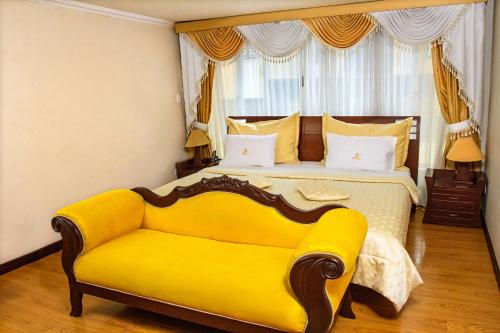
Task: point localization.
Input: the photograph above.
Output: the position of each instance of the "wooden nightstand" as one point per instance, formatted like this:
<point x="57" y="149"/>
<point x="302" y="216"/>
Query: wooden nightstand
<point x="452" y="203"/>
<point x="186" y="168"/>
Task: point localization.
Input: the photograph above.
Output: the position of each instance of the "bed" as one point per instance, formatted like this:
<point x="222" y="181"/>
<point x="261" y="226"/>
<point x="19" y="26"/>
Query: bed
<point x="385" y="198"/>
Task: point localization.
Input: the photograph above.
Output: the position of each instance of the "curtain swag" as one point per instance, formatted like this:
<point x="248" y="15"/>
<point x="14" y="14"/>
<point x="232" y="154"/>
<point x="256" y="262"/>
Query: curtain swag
<point x="218" y="44"/>
<point x="278" y="39"/>
<point x="419" y="26"/>
<point x="341" y="31"/>
<point x="458" y="28"/>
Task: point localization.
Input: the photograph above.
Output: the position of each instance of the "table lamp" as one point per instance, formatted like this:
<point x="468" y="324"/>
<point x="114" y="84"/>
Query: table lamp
<point x="197" y="139"/>
<point x="465" y="151"/>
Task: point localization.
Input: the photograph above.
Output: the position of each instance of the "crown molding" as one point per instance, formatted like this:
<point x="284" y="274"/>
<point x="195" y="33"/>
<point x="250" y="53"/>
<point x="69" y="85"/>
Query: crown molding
<point x="86" y="7"/>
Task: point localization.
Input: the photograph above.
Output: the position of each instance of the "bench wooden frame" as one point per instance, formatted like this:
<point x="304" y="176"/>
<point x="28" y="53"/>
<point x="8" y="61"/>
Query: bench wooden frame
<point x="307" y="277"/>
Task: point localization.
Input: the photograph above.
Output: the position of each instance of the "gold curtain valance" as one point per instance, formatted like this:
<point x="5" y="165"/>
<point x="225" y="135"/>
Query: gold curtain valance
<point x="219" y="44"/>
<point x="342" y="31"/>
<point x="366" y="6"/>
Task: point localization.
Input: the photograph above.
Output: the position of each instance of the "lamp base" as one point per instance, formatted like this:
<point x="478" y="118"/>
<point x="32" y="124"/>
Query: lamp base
<point x="464" y="175"/>
<point x="197" y="160"/>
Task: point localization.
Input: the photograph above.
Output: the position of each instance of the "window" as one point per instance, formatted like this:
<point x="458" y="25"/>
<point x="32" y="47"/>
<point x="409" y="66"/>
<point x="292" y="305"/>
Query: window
<point x="376" y="77"/>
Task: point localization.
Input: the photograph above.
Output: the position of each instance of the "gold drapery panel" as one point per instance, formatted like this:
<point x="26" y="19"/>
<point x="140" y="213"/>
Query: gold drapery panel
<point x="204" y="108"/>
<point x="340" y="31"/>
<point x="219" y="44"/>
<point x="453" y="108"/>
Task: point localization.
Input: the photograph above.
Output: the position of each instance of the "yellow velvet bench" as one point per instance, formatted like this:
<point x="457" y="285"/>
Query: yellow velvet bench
<point x="221" y="252"/>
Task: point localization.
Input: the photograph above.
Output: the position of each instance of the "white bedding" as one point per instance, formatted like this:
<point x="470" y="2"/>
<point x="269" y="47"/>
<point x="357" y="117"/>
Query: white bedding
<point x="385" y="198"/>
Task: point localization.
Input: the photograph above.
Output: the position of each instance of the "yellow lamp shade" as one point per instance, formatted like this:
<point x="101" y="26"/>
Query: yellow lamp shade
<point x="465" y="149"/>
<point x="197" y="138"/>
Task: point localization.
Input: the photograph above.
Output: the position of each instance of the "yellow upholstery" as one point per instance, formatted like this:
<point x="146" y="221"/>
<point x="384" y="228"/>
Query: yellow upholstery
<point x="288" y="135"/>
<point x="217" y="252"/>
<point x="245" y="282"/>
<point x="209" y="215"/>
<point x="400" y="130"/>
<point x="340" y="232"/>
<point x="106" y="216"/>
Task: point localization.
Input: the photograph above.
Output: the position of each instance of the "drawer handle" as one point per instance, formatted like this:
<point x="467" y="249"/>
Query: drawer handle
<point x="453" y="198"/>
<point x="452" y="214"/>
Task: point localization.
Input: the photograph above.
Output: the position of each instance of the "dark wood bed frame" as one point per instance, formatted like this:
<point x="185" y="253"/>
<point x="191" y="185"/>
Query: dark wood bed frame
<point x="307" y="277"/>
<point x="311" y="146"/>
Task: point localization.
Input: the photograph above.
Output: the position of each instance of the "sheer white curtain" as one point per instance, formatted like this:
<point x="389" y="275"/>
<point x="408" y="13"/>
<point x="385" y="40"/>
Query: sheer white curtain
<point x="376" y="77"/>
<point x="253" y="86"/>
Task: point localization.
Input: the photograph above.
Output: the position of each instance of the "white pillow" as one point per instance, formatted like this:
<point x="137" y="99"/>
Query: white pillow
<point x="249" y="150"/>
<point x="374" y="153"/>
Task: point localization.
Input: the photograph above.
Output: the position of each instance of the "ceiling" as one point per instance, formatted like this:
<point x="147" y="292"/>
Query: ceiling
<point x="189" y="10"/>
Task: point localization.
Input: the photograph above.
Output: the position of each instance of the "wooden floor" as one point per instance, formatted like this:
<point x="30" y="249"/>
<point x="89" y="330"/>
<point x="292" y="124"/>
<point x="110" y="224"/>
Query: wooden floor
<point x="459" y="295"/>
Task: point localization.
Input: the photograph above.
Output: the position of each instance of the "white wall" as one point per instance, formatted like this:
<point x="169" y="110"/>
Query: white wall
<point x="87" y="104"/>
<point x="492" y="167"/>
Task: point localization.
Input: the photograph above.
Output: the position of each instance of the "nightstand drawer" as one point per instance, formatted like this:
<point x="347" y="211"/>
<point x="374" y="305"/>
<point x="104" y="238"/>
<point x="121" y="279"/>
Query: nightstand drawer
<point x="453" y="217"/>
<point x="453" y="205"/>
<point x="455" y="198"/>
<point x="465" y="193"/>
<point x="452" y="214"/>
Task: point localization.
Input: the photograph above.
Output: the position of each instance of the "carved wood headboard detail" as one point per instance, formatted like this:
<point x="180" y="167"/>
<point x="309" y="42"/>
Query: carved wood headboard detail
<point x="311" y="141"/>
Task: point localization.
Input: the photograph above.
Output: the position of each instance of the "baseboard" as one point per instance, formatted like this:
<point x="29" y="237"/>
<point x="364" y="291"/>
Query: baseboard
<point x="493" y="257"/>
<point x="30" y="257"/>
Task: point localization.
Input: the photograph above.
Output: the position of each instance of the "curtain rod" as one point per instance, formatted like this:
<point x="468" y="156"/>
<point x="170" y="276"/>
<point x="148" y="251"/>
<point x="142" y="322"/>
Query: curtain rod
<point x="296" y="14"/>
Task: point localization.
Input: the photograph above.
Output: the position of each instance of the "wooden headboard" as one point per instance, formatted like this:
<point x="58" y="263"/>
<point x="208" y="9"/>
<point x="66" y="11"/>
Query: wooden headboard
<point x="311" y="141"/>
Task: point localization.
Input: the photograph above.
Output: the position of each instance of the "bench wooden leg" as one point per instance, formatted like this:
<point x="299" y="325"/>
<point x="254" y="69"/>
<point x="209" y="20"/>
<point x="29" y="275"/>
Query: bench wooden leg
<point x="346" y="307"/>
<point x="75" y="298"/>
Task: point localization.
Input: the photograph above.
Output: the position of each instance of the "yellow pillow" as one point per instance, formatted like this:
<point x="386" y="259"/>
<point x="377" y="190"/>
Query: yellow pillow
<point x="401" y="130"/>
<point x="288" y="135"/>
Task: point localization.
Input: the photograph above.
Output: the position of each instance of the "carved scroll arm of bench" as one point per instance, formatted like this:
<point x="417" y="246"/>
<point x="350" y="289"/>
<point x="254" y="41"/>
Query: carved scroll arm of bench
<point x="72" y="243"/>
<point x="308" y="278"/>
